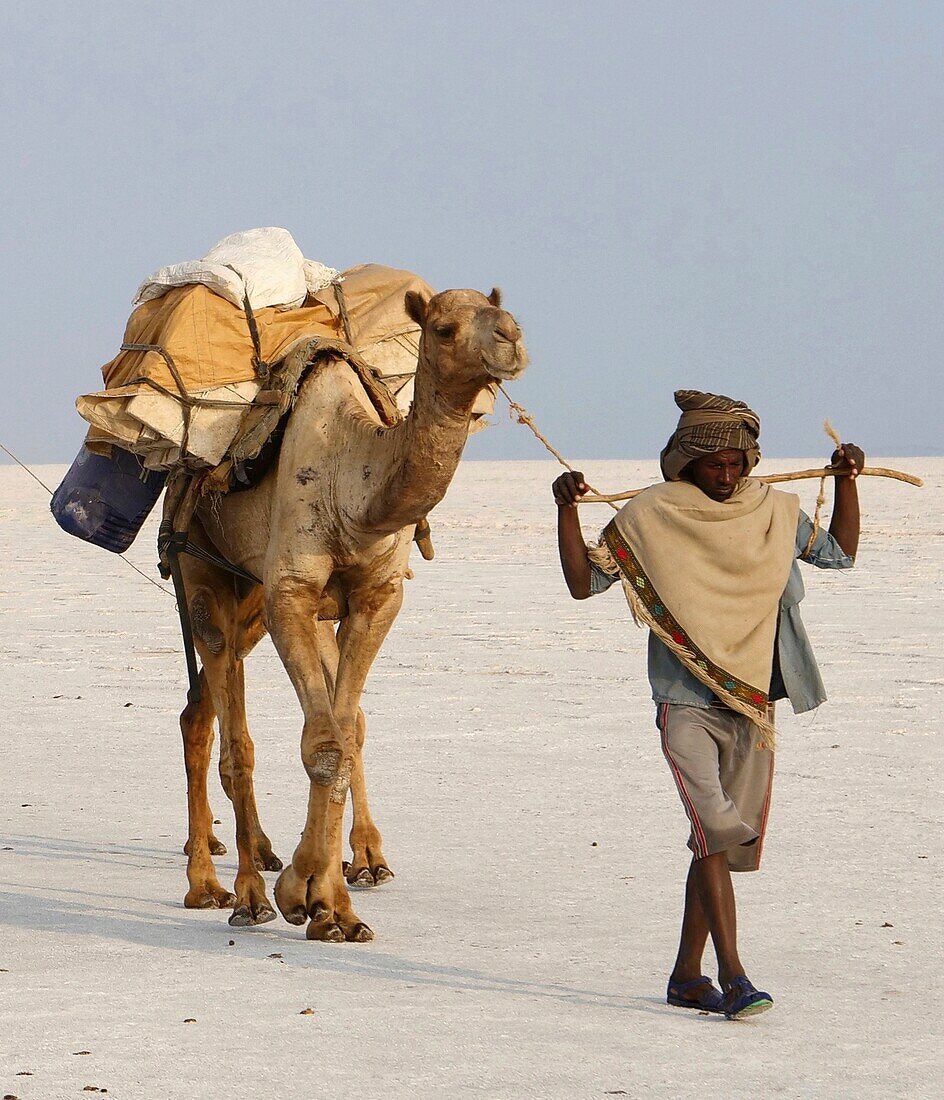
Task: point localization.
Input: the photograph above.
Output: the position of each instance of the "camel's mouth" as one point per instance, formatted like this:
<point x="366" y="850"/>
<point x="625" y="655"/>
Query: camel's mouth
<point x="507" y="361"/>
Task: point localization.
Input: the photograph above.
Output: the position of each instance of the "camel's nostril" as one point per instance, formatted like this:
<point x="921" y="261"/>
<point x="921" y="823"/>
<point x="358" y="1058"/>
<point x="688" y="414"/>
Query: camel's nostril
<point x="509" y="332"/>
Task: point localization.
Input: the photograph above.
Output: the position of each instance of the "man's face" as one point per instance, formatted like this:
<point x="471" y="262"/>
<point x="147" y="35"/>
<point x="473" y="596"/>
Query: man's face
<point x="717" y="474"/>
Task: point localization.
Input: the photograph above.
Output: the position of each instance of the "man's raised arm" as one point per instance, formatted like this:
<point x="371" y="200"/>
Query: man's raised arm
<point x="844" y="525"/>
<point x="568" y="489"/>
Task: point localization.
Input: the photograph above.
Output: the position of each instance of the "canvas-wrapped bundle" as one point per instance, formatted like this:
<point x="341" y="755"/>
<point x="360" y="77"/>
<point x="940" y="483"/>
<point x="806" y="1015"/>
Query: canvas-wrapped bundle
<point x="210" y="363"/>
<point x="189" y="363"/>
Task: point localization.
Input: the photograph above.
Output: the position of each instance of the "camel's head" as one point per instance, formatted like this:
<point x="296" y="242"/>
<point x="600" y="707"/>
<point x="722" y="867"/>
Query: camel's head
<point x="469" y="338"/>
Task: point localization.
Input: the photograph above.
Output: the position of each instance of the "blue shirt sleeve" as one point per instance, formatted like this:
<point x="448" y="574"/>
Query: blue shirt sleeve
<point x="825" y="553"/>
<point x="600" y="580"/>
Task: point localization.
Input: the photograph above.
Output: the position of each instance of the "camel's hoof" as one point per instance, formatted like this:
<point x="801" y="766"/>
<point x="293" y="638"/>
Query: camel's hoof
<point x="360" y="933"/>
<point x="363" y="878"/>
<point x="319" y="912"/>
<point x="243" y="916"/>
<point x="291" y="905"/>
<point x="209" y="899"/>
<point x="326" y="933"/>
<point x="217" y="847"/>
<point x="268" y="861"/>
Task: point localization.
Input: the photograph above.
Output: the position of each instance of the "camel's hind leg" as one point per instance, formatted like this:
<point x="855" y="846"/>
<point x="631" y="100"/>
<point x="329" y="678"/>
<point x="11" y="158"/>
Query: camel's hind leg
<point x="251" y="630"/>
<point x="368" y="867"/>
<point x="225" y="627"/>
<point x="196" y="725"/>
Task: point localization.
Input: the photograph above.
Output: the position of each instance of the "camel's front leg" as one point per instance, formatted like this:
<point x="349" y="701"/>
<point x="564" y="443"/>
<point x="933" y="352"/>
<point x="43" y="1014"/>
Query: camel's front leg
<point x="314" y="885"/>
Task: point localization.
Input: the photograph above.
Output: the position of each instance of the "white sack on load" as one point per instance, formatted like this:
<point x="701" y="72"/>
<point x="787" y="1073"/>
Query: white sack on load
<point x="264" y="263"/>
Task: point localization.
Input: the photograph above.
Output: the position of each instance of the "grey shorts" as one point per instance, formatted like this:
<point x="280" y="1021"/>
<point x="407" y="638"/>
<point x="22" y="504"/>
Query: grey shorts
<point x="724" y="776"/>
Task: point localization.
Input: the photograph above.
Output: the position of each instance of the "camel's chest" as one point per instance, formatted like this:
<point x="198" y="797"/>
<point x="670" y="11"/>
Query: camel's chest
<point x="359" y="571"/>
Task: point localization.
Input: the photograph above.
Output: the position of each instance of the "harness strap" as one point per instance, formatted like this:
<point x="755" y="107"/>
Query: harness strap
<point x="186" y="629"/>
<point x="170" y="545"/>
<point x="260" y="366"/>
<point x="345" y="319"/>
<point x="185" y="546"/>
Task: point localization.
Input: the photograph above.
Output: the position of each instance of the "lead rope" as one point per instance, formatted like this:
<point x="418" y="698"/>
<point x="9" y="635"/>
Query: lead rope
<point x="821" y="498"/>
<point x="520" y="414"/>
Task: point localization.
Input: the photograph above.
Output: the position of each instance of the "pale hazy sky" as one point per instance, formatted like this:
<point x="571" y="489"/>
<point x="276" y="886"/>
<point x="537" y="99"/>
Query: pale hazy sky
<point x="737" y="196"/>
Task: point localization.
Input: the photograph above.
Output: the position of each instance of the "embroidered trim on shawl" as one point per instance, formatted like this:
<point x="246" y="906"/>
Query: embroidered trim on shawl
<point x="727" y="687"/>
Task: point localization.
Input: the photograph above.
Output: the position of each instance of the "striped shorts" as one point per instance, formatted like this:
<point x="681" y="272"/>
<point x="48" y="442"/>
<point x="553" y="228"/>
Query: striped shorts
<point x="724" y="777"/>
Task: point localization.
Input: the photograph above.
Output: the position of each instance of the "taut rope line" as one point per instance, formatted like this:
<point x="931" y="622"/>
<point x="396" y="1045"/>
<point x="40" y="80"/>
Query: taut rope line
<point x="130" y="564"/>
<point x="27" y="469"/>
<point x="521" y="414"/>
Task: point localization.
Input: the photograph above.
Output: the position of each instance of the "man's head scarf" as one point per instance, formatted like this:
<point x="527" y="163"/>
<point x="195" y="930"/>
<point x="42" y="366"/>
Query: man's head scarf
<point x="710" y="422"/>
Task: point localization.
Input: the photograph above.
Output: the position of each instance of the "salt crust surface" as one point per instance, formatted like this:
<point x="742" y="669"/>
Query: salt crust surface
<point x="515" y="772"/>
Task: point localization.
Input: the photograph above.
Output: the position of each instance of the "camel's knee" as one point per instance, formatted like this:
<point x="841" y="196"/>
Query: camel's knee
<point x="237" y="764"/>
<point x="196" y="725"/>
<point x="193" y="723"/>
<point x="252" y="628"/>
<point x="322" y="762"/>
<point x="243" y="761"/>
<point x="226" y="772"/>
<point x="226" y="782"/>
<point x="328" y="765"/>
<point x="206" y="620"/>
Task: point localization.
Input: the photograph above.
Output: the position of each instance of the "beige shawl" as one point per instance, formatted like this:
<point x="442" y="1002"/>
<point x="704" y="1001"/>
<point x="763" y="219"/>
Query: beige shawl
<point x="706" y="577"/>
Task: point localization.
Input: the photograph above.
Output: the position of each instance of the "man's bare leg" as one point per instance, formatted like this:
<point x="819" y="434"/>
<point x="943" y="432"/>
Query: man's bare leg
<point x="694" y="936"/>
<point x="709" y="909"/>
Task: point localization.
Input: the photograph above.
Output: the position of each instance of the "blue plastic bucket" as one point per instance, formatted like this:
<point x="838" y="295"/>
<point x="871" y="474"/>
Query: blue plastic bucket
<point x="106" y="500"/>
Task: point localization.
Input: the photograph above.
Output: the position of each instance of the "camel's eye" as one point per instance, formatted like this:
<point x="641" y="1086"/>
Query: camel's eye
<point x="445" y="331"/>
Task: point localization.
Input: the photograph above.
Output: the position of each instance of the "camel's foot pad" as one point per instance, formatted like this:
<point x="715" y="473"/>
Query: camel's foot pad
<point x="247" y="916"/>
<point x="209" y="897"/>
<point x="366" y="877"/>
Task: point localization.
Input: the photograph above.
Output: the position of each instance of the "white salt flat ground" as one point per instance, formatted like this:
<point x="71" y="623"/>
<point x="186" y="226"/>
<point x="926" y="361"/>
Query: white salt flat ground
<point x="538" y="842"/>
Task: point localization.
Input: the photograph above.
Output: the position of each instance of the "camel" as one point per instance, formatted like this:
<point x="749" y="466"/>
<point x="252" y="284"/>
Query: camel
<point x="328" y="530"/>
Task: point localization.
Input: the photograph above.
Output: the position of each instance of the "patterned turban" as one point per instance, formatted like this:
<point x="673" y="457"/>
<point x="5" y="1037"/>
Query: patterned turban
<point x="709" y="423"/>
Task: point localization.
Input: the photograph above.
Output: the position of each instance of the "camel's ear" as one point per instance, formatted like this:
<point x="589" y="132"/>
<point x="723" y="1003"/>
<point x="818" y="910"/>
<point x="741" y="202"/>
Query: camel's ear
<point x="495" y="297"/>
<point x="416" y="307"/>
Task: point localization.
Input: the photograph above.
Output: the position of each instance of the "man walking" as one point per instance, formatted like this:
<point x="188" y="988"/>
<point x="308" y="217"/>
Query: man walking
<point x="708" y="561"/>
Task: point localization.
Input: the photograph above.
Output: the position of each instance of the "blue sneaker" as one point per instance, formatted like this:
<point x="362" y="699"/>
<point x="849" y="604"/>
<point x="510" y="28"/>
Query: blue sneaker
<point x="741" y="999"/>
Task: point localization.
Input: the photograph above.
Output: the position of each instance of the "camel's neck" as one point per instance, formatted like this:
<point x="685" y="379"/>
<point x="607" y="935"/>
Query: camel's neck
<point x="426" y="449"/>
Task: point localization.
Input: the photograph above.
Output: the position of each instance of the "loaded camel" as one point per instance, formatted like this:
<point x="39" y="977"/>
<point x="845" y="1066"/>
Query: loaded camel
<point x="328" y="530"/>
